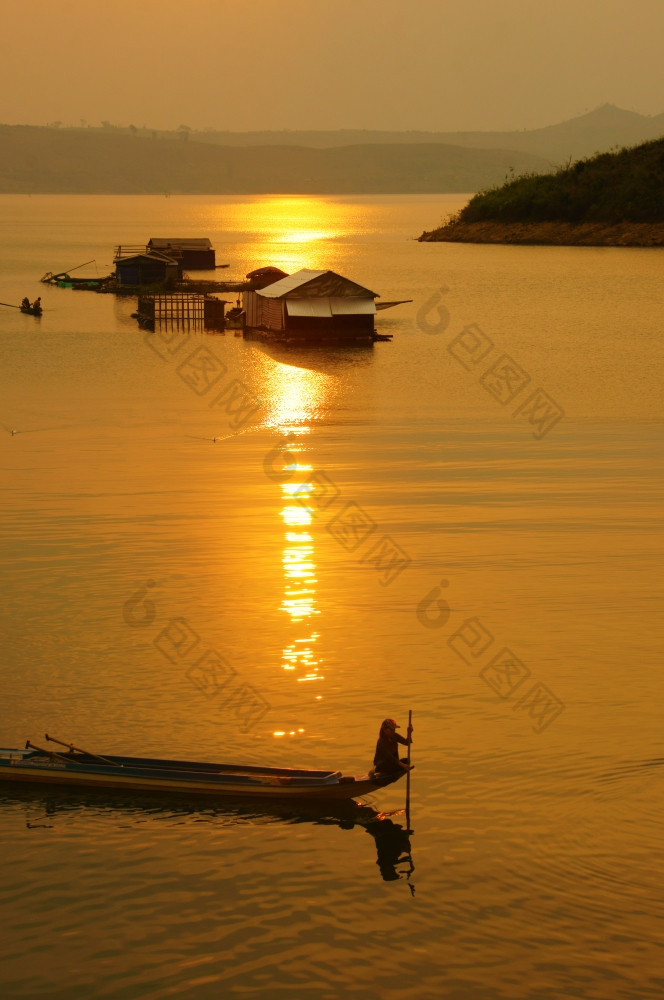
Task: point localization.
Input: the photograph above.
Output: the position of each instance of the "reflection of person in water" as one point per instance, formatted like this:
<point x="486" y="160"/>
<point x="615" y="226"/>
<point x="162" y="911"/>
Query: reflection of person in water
<point x="392" y="846"/>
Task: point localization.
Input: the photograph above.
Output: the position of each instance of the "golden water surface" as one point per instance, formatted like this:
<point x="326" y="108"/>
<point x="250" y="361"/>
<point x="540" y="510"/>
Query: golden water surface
<point x="217" y="550"/>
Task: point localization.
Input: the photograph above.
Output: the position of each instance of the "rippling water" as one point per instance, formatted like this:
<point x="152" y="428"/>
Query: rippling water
<point x="465" y="522"/>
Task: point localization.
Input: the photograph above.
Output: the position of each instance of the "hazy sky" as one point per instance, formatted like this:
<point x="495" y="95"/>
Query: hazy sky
<point x="272" y="64"/>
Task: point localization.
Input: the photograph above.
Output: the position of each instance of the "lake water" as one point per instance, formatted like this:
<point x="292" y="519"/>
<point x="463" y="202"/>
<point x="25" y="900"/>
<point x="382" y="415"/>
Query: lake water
<point x="218" y="551"/>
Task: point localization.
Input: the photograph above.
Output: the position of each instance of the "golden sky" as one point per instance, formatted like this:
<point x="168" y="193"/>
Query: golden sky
<point x="301" y="64"/>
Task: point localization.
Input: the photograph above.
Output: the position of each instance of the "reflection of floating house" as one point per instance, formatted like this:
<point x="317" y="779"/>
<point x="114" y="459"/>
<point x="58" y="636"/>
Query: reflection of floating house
<point x="312" y="305"/>
<point x="146" y="269"/>
<point x="191" y="254"/>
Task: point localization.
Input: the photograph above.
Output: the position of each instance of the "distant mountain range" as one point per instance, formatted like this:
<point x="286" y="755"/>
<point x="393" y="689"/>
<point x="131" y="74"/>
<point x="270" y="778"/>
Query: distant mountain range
<point x="112" y="160"/>
<point x="57" y="161"/>
<point x="595" y="132"/>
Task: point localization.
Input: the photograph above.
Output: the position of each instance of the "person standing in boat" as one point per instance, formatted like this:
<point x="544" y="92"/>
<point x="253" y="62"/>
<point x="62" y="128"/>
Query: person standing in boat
<point x="386" y="758"/>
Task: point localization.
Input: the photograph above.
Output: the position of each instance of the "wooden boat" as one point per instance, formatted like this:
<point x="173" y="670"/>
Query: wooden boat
<point x="31" y="310"/>
<point x="64" y="279"/>
<point x="80" y="769"/>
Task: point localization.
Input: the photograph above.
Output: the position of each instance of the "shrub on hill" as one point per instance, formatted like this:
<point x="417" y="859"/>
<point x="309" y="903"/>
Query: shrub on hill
<point x="627" y="186"/>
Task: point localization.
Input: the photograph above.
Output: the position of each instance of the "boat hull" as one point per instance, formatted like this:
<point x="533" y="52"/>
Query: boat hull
<point x="184" y="777"/>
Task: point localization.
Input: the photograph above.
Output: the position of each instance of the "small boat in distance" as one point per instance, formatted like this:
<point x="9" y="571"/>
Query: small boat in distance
<point x="31" y="308"/>
<point x="80" y="769"/>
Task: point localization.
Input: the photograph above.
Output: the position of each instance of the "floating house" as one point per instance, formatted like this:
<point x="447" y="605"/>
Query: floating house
<point x="311" y="305"/>
<point x="146" y="269"/>
<point x="191" y="254"/>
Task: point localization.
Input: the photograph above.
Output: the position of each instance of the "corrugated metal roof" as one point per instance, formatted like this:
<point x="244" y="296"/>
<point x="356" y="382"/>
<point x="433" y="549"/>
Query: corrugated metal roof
<point x="291" y="281"/>
<point x="178" y="243"/>
<point x="159" y="257"/>
<point x="325" y="307"/>
<point x="333" y="283"/>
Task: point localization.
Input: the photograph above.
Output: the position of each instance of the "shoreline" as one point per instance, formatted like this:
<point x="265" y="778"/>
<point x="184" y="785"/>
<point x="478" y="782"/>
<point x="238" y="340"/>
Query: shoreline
<point x="589" y="234"/>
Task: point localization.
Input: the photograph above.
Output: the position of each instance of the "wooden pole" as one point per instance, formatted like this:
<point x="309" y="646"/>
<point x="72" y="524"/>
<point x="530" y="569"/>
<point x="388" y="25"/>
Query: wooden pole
<point x="61" y="274"/>
<point x="78" y="266"/>
<point x="410" y="720"/>
<point x="72" y="749"/>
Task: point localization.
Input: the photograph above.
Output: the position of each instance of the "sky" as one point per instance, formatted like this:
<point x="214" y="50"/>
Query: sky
<point x="436" y="65"/>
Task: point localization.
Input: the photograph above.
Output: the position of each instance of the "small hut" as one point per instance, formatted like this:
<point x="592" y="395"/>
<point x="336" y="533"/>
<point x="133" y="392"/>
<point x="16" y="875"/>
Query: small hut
<point x="146" y="269"/>
<point x="191" y="254"/>
<point x="312" y="305"/>
<point x="263" y="276"/>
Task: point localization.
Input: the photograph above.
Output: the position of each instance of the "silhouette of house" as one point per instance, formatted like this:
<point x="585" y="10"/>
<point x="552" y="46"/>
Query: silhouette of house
<point x="191" y="254"/>
<point x="312" y="305"/>
<point x="146" y="269"/>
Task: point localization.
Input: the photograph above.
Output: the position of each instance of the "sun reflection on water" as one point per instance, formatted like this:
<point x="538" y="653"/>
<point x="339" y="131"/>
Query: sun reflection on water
<point x="296" y="401"/>
<point x="294" y="231"/>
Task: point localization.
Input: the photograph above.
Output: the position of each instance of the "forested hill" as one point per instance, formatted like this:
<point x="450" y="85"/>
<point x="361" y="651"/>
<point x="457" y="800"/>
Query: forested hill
<point x="37" y="160"/>
<point x="616" y="190"/>
<point x="606" y="127"/>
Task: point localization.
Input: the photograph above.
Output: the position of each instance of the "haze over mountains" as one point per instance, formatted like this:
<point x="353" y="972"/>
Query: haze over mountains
<point x="110" y="159"/>
<point x="594" y="132"/>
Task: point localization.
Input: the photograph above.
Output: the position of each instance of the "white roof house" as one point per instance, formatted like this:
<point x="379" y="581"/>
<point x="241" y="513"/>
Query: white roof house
<point x="307" y="283"/>
<point x="303" y="301"/>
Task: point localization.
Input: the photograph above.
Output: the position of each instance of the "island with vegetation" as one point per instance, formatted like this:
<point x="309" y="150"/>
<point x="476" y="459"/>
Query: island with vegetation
<point x="611" y="199"/>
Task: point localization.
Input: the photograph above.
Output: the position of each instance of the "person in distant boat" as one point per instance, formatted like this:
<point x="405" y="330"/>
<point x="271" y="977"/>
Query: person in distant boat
<point x="25" y="304"/>
<point x="36" y="305"/>
<point x="386" y="759"/>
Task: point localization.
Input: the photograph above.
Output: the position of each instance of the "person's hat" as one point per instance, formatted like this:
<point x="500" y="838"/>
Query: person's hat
<point x="389" y="724"/>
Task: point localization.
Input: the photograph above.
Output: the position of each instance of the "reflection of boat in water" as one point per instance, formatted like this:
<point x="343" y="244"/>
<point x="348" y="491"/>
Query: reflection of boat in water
<point x="52" y="800"/>
<point x="78" y="768"/>
<point x="44" y="805"/>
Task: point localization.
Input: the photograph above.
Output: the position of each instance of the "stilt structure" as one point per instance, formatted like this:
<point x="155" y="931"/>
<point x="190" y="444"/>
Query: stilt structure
<point x="182" y="310"/>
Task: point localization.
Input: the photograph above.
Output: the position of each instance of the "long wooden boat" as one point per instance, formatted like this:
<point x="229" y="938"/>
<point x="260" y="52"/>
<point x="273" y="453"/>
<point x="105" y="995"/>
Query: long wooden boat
<point x="78" y="769"/>
<point x="65" y="280"/>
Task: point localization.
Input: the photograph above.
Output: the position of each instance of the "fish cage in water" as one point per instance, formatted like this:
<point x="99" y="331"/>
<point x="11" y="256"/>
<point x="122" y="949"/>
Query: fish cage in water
<point x="181" y="310"/>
